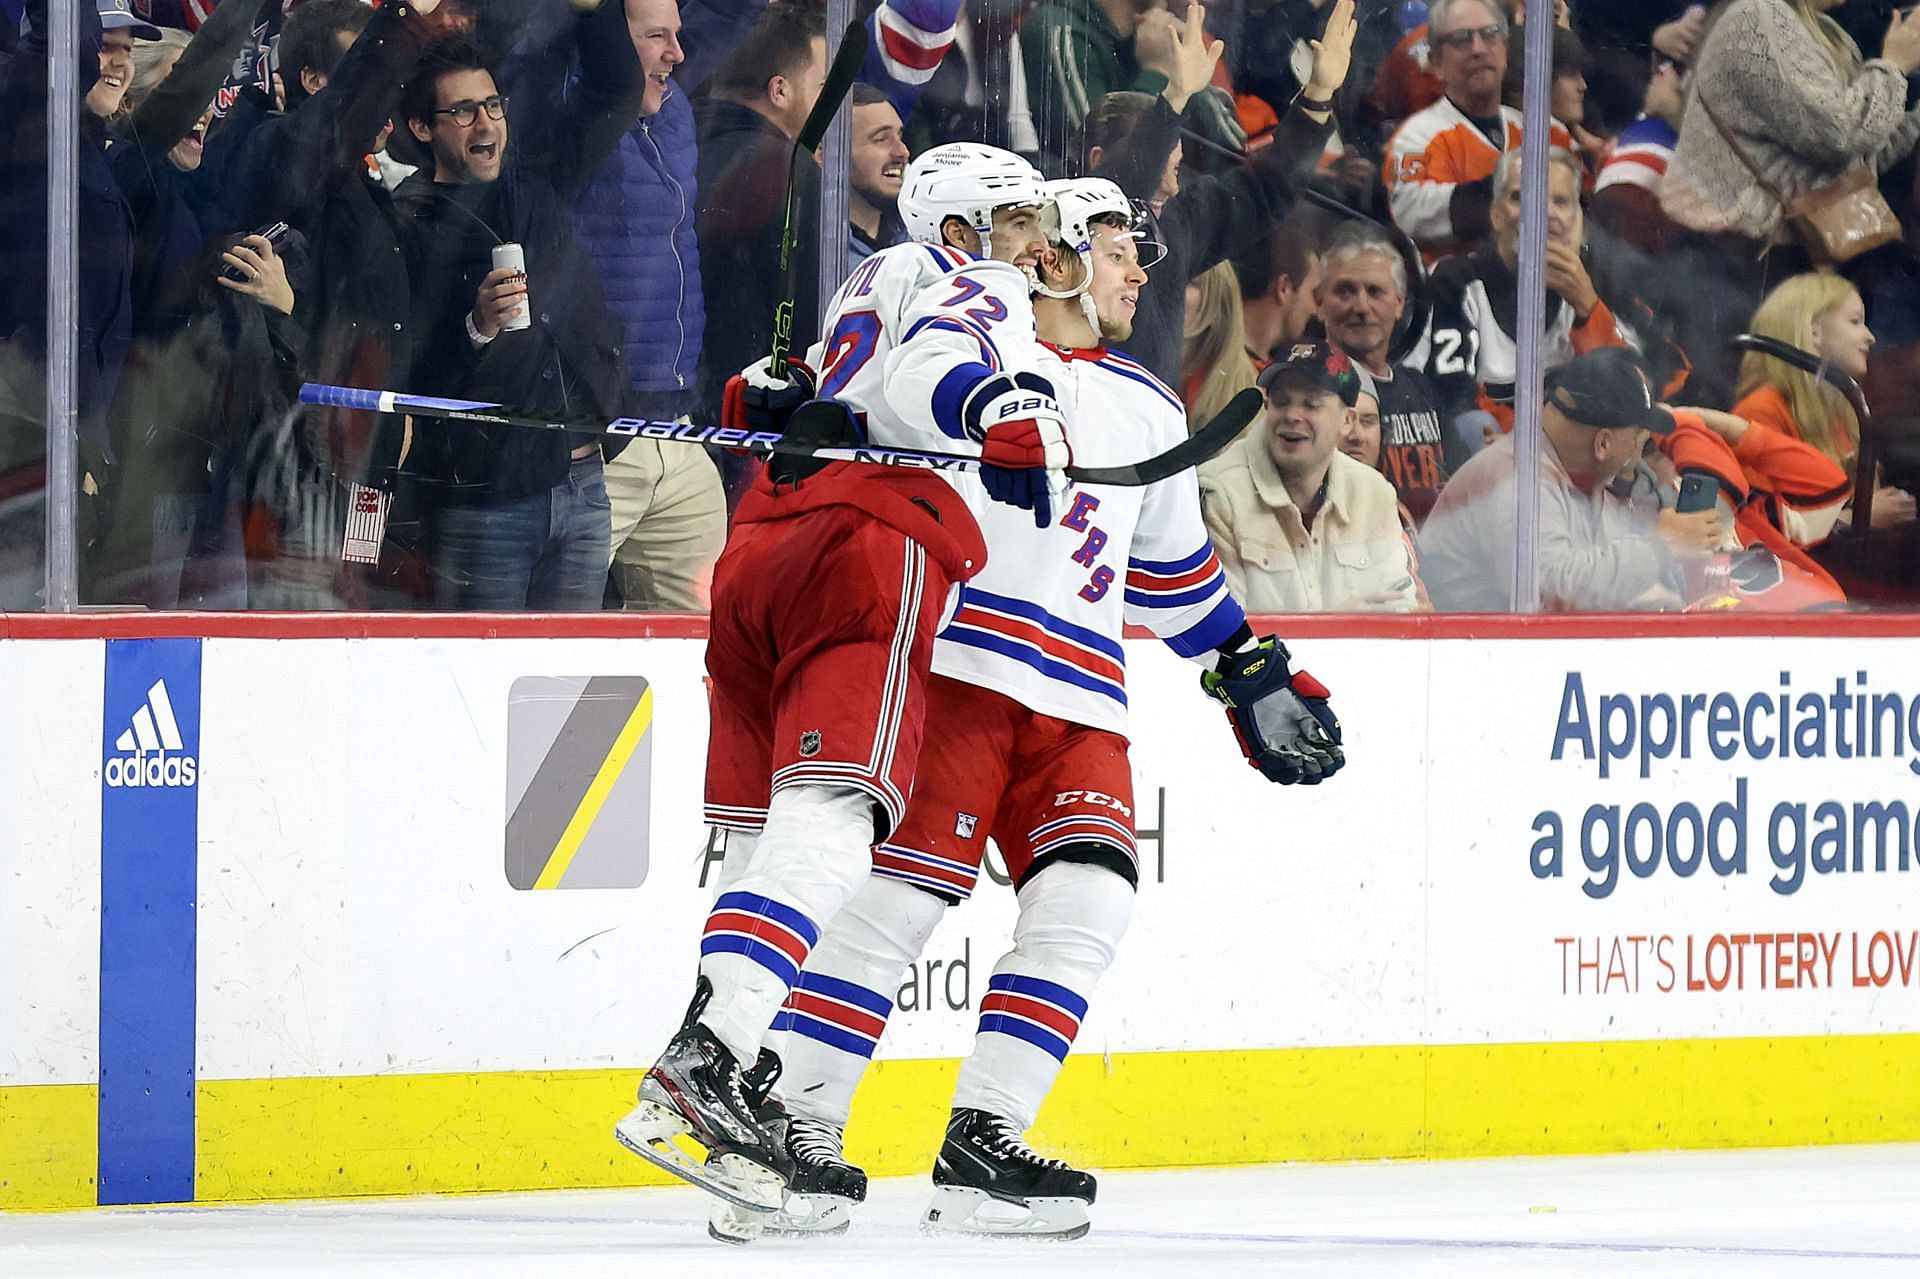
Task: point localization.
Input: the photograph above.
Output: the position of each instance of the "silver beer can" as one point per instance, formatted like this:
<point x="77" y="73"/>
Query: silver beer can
<point x="510" y="257"/>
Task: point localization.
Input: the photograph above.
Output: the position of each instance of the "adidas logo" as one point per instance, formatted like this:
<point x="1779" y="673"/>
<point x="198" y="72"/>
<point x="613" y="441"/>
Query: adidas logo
<point x="144" y="747"/>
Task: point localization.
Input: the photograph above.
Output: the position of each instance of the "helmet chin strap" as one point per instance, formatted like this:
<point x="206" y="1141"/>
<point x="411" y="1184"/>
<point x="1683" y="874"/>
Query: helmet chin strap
<point x="1080" y="290"/>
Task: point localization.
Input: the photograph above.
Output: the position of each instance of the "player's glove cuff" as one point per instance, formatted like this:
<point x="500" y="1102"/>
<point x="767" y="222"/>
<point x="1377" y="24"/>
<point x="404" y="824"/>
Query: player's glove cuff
<point x="1003" y="399"/>
<point x="1023" y="441"/>
<point x="1281" y="718"/>
<point x="755" y="400"/>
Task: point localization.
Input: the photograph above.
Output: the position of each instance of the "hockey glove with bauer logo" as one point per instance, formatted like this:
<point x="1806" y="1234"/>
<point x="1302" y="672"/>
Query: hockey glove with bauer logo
<point x="1285" y="727"/>
<point x="1023" y="441"/>
<point x="754" y="400"/>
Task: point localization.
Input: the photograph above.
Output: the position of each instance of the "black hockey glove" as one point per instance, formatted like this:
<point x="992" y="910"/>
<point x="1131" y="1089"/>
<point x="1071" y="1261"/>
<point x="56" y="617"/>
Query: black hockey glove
<point x="1285" y="727"/>
<point x="754" y="401"/>
<point x="822" y="424"/>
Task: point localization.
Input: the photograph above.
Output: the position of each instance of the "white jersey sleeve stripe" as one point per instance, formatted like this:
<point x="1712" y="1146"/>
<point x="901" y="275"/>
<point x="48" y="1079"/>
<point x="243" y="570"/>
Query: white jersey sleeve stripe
<point x="912" y="53"/>
<point x="1185" y="601"/>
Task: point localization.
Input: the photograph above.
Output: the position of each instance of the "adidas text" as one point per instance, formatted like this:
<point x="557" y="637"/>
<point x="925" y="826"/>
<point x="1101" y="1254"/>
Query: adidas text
<point x="151" y="770"/>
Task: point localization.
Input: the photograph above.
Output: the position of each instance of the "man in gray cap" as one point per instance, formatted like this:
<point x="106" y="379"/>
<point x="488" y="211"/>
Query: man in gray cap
<point x="120" y="26"/>
<point x="1605" y="541"/>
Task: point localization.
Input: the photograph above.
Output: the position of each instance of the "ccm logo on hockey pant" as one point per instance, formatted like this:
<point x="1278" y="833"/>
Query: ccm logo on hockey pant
<point x="1045" y="1014"/>
<point x="1093" y="797"/>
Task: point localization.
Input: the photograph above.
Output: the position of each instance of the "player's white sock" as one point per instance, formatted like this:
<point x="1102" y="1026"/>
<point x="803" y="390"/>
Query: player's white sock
<point x="811" y="856"/>
<point x="827" y="1030"/>
<point x="1072" y="917"/>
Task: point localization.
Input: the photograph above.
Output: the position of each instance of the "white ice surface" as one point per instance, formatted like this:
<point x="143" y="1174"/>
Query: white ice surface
<point x="1835" y="1211"/>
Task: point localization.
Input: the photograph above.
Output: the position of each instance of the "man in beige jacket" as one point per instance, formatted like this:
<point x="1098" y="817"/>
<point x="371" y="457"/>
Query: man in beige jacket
<point x="1299" y="526"/>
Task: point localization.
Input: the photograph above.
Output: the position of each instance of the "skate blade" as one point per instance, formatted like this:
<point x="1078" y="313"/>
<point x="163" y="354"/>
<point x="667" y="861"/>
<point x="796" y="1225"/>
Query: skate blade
<point x="811" y="1217"/>
<point x="650" y="1131"/>
<point x="730" y="1223"/>
<point x="822" y="1218"/>
<point x="957" y="1211"/>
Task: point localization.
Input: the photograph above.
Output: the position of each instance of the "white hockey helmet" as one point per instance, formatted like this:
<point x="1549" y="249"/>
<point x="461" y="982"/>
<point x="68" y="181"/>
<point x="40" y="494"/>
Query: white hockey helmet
<point x="966" y="180"/>
<point x="1083" y="201"/>
<point x="1078" y="204"/>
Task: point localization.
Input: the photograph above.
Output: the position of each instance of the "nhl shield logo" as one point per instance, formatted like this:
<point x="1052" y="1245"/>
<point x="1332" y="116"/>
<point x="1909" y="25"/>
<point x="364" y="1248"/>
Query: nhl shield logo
<point x="963" y="825"/>
<point x="809" y="743"/>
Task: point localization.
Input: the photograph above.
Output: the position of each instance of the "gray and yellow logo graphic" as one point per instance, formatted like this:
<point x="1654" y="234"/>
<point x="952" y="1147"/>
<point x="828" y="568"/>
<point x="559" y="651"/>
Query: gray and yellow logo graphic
<point x="579" y="781"/>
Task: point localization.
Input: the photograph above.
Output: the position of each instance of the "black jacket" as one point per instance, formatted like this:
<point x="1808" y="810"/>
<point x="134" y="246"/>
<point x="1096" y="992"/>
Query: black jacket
<point x="742" y="208"/>
<point x="1210" y="220"/>
<point x="104" y="229"/>
<point x="307" y="168"/>
<point x="571" y="359"/>
<point x="174" y="213"/>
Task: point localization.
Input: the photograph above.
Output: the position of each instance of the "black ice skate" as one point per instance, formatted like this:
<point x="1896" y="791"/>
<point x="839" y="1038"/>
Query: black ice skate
<point x="695" y="1091"/>
<point x="822" y="1186"/>
<point x="988" y="1181"/>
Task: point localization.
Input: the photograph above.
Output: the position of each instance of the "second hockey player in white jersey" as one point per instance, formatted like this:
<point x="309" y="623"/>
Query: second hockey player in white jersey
<point x="1026" y="719"/>
<point x="835" y="579"/>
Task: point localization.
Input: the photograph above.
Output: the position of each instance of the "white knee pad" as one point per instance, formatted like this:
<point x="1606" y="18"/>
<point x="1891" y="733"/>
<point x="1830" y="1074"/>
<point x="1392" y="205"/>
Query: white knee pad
<point x="1073" y="916"/>
<point x="815" y="850"/>
<point x="886" y="924"/>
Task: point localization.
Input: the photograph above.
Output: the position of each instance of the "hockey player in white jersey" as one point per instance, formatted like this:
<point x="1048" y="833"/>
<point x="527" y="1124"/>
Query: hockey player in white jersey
<point x="835" y="578"/>
<point x="1028" y="704"/>
<point x="977" y="216"/>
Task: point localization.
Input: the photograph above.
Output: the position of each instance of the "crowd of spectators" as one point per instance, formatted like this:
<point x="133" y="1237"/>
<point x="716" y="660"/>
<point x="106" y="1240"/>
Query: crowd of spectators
<point x="280" y="191"/>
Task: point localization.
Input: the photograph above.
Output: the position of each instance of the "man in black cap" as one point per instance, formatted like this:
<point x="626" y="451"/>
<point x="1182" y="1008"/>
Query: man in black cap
<point x="1299" y="526"/>
<point x="1605" y="541"/>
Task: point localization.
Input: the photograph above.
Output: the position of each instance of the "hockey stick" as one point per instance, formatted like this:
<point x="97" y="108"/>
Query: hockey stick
<point x="853" y="50"/>
<point x="1806" y="361"/>
<point x="1190" y="452"/>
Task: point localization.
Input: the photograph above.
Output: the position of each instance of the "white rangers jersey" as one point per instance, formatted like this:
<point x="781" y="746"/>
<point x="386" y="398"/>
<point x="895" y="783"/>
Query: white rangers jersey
<point x="1042" y="622"/>
<point x="966" y="319"/>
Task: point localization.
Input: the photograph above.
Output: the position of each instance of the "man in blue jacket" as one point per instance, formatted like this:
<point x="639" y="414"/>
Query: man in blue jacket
<point x="636" y="220"/>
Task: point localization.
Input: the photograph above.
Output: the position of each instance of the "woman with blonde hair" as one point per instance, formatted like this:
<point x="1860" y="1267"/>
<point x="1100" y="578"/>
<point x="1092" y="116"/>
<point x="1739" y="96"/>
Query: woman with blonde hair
<point x="1780" y="105"/>
<point x="1214" y="365"/>
<point x="1823" y="314"/>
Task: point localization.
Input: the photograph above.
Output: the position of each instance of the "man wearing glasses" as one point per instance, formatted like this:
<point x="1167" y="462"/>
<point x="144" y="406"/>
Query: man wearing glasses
<point x="1439" y="165"/>
<point x="519" y="518"/>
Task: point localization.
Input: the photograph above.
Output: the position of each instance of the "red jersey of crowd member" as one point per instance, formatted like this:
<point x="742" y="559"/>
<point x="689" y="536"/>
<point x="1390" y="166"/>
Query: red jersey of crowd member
<point x="1406" y="82"/>
<point x="1763" y="569"/>
<point x="1439" y="165"/>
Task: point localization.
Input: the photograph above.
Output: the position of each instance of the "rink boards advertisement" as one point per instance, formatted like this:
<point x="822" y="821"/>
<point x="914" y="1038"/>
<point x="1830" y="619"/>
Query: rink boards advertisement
<point x="339" y="914"/>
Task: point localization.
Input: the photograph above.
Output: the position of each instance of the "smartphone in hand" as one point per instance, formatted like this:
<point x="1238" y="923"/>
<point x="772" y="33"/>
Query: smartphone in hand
<point x="275" y="233"/>
<point x="1698" y="492"/>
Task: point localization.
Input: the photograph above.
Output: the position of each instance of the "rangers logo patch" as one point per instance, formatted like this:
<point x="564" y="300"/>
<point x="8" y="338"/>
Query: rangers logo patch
<point x="963" y="825"/>
<point x="809" y="743"/>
